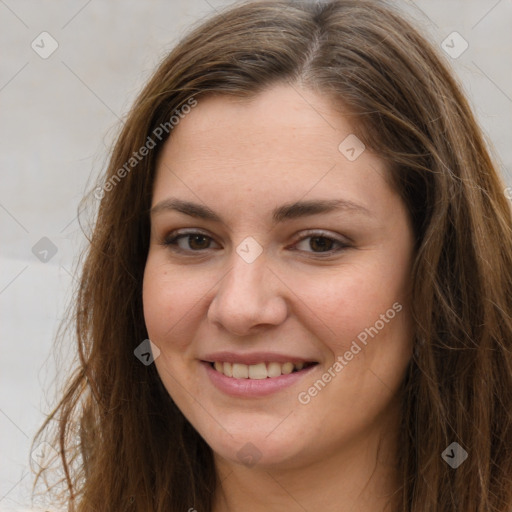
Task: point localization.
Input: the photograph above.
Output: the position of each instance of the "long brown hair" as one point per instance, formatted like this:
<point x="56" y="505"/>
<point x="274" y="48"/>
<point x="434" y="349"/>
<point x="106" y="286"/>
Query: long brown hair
<point x="133" y="449"/>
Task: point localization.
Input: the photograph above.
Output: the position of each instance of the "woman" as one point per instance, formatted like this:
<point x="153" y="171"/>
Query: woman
<point x="302" y="216"/>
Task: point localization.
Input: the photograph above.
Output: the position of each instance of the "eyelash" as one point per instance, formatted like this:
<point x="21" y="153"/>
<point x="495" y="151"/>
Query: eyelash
<point x="170" y="241"/>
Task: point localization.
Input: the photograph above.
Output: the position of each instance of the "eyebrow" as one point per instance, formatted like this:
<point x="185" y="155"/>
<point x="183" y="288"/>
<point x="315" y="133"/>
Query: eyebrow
<point x="282" y="213"/>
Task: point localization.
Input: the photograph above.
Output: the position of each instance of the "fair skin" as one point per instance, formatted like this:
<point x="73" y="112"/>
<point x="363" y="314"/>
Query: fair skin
<point x="301" y="297"/>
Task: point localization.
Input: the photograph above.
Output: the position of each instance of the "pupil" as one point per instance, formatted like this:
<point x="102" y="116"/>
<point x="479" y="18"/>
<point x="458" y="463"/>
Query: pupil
<point x="321" y="245"/>
<point x="194" y="239"/>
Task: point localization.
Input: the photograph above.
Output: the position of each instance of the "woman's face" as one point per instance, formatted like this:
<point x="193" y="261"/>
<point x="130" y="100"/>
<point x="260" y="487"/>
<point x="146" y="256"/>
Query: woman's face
<point x="253" y="266"/>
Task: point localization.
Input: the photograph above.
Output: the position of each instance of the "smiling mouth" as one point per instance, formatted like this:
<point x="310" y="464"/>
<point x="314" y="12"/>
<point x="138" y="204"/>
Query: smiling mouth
<point x="259" y="371"/>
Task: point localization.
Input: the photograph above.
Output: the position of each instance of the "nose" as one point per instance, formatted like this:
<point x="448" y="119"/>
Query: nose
<point x="250" y="297"/>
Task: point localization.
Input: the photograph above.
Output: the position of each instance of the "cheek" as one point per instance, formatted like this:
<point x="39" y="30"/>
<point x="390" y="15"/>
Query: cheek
<point x="346" y="301"/>
<point x="168" y="300"/>
<point x="153" y="300"/>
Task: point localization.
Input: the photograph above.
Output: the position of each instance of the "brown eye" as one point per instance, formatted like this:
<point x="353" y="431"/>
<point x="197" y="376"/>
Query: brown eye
<point x="198" y="241"/>
<point x="192" y="242"/>
<point x="319" y="243"/>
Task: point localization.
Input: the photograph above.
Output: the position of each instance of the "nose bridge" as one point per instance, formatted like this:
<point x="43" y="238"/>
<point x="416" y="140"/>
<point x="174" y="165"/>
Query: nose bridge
<point x="247" y="294"/>
<point x="248" y="268"/>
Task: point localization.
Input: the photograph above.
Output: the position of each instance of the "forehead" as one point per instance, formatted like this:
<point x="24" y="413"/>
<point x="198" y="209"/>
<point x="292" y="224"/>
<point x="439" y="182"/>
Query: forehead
<point x="283" y="115"/>
<point x="282" y="143"/>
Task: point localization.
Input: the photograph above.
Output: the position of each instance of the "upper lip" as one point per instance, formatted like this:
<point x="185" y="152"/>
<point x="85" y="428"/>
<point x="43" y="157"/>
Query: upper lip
<point x="254" y="358"/>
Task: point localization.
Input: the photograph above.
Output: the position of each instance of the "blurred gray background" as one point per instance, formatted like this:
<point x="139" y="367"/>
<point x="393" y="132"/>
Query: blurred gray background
<point x="60" y="109"/>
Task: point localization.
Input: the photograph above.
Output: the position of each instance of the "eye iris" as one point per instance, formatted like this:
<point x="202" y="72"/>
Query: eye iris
<point x="317" y="243"/>
<point x="194" y="238"/>
<point x="326" y="242"/>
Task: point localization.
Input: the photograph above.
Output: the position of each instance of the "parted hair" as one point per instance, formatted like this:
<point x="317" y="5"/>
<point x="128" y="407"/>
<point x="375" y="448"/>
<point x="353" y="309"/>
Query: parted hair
<point x="124" y="445"/>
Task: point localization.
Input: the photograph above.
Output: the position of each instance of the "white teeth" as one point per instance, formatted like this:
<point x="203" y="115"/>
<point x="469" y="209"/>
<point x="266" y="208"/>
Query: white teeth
<point x="240" y="371"/>
<point x="257" y="371"/>
<point x="287" y="368"/>
<point x="274" y="369"/>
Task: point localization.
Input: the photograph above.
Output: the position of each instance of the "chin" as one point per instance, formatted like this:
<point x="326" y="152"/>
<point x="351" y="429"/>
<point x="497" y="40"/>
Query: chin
<point x="256" y="448"/>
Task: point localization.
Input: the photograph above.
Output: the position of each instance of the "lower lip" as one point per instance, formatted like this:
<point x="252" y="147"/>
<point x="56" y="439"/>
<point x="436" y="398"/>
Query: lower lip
<point x="253" y="387"/>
